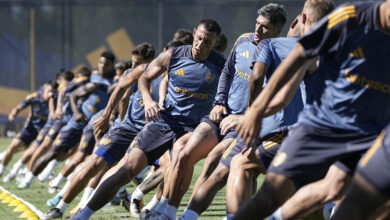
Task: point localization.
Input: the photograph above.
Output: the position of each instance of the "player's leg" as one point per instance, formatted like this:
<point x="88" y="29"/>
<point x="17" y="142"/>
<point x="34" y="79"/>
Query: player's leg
<point x="43" y="148"/>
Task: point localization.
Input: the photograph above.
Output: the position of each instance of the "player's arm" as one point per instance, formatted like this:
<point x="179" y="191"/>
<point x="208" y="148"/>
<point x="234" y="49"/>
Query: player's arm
<point x="82" y="91"/>
<point x="256" y="80"/>
<point x="157" y="67"/>
<point x="250" y="125"/>
<point x="162" y="90"/>
<point x="52" y="108"/>
<point x="101" y="123"/>
<point x="124" y="103"/>
<point x="60" y="98"/>
<point x="22" y="105"/>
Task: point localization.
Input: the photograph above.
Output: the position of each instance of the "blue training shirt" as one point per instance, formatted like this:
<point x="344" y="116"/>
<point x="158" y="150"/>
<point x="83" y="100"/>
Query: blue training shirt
<point x="355" y="68"/>
<point x="192" y="87"/>
<point x="272" y="52"/>
<point x="39" y="109"/>
<point x="233" y="86"/>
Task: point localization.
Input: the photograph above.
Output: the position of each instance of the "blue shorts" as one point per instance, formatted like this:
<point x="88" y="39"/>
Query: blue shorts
<point x="55" y="129"/>
<point x="113" y="145"/>
<point x="154" y="139"/>
<point x="374" y="167"/>
<point x="87" y="142"/>
<point x="43" y="132"/>
<point x="68" y="138"/>
<point x="28" y="134"/>
<point x="307" y="152"/>
<point x="267" y="149"/>
<point x="231" y="134"/>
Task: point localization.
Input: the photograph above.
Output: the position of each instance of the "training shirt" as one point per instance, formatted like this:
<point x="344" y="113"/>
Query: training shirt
<point x="192" y="87"/>
<point x="39" y="109"/>
<point x="355" y="67"/>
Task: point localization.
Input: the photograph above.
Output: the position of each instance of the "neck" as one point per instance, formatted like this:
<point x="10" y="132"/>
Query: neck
<point x="382" y="18"/>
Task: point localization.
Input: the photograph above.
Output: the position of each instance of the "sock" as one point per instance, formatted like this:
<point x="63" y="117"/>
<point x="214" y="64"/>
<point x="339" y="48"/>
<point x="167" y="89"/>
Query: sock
<point x="87" y="193"/>
<point x="277" y="215"/>
<point x="29" y="177"/>
<point x="2" y="155"/>
<point x="64" y="189"/>
<point x="148" y="175"/>
<point x="188" y="214"/>
<point x="62" y="206"/>
<point x="47" y="171"/>
<point x="2" y="168"/>
<point x="162" y="205"/>
<point x="229" y="216"/>
<point x="137" y="194"/>
<point x="16" y="167"/>
<point x="58" y="180"/>
<point x="85" y="213"/>
<point x="152" y="204"/>
<point x="171" y="212"/>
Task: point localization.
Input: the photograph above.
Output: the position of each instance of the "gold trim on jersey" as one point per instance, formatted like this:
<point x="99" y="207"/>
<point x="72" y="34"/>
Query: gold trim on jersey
<point x="340" y="15"/>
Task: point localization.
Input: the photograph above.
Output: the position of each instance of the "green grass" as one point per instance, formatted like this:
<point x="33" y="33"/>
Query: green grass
<point x="37" y="195"/>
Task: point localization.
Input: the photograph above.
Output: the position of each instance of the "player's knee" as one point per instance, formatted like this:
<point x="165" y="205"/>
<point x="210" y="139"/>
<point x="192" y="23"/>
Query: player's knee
<point x="183" y="160"/>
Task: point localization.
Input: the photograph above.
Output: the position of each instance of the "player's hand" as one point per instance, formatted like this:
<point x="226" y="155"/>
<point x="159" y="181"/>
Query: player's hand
<point x="80" y="117"/>
<point x="58" y="114"/>
<point x="152" y="111"/>
<point x="101" y="125"/>
<point x="228" y="123"/>
<point x="52" y="117"/>
<point x="11" y="116"/>
<point x="249" y="127"/>
<point x="217" y="112"/>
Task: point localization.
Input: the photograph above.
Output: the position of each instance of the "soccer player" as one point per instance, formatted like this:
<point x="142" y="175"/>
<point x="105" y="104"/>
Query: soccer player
<point x="214" y="134"/>
<point x="345" y="118"/>
<point x="113" y="145"/>
<point x="183" y="35"/>
<point x="221" y="44"/>
<point x="39" y="111"/>
<point x="95" y="97"/>
<point x="193" y="75"/>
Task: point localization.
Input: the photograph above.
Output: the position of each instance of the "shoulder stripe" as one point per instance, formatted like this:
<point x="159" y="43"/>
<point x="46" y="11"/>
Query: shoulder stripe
<point x="32" y="95"/>
<point x="340" y="15"/>
<point x="241" y="36"/>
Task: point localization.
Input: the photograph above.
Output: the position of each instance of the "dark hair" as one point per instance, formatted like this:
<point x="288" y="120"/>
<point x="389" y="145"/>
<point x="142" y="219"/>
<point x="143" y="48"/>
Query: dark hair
<point x="174" y="43"/>
<point x="52" y="83"/>
<point x="221" y="43"/>
<point x="84" y="71"/>
<point x="320" y="8"/>
<point x="183" y="35"/>
<point x="108" y="55"/>
<point x="67" y="75"/>
<point x="210" y="25"/>
<point x="123" y="65"/>
<point x="274" y="12"/>
<point x="144" y="50"/>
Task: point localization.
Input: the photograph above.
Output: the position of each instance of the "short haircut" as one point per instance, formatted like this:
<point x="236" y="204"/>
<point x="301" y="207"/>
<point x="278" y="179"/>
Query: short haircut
<point x="144" y="50"/>
<point x="174" y="43"/>
<point x="183" y="35"/>
<point x="66" y="75"/>
<point x="52" y="83"/>
<point x="84" y="71"/>
<point x="221" y="43"/>
<point x="275" y="13"/>
<point x="210" y="25"/>
<point x="320" y="8"/>
<point x="109" y="56"/>
<point x="123" y="65"/>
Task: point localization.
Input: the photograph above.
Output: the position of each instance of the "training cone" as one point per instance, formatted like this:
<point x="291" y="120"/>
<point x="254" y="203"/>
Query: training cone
<point x="27" y="214"/>
<point x="4" y="195"/>
<point x="21" y="208"/>
<point x="15" y="203"/>
<point x="9" y="199"/>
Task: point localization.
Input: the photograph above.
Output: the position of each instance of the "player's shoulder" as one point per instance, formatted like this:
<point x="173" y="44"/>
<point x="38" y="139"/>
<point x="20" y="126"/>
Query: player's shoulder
<point x="32" y="95"/>
<point x="245" y="37"/>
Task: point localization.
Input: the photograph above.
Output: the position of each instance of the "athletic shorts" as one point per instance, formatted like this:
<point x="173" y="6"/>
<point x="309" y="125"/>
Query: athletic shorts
<point x="113" y="145"/>
<point x="55" y="129"/>
<point x="28" y="134"/>
<point x="231" y="134"/>
<point x="374" y="167"/>
<point x="154" y="139"/>
<point x="87" y="142"/>
<point x="307" y="152"/>
<point x="267" y="148"/>
<point x="43" y="132"/>
<point x="67" y="139"/>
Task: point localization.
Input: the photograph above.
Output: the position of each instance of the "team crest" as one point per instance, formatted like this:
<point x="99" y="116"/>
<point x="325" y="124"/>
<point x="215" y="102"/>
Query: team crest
<point x="279" y="159"/>
<point x="105" y="141"/>
<point x="210" y="77"/>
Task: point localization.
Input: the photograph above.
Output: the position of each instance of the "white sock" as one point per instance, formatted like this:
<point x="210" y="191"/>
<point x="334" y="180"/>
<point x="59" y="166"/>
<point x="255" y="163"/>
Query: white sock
<point x="16" y="167"/>
<point x="2" y="156"/>
<point x="152" y="204"/>
<point x="148" y="175"/>
<point x="277" y="215"/>
<point x="161" y="205"/>
<point x="87" y="193"/>
<point x="47" y="171"/>
<point x="85" y="213"/>
<point x="2" y="168"/>
<point x="62" y="206"/>
<point x="137" y="194"/>
<point x="64" y="189"/>
<point x="171" y="212"/>
<point x="58" y="180"/>
<point x="188" y="214"/>
<point x="29" y="177"/>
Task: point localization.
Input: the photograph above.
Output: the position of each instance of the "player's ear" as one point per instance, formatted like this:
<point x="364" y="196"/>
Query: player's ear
<point x="304" y="17"/>
<point x="194" y="31"/>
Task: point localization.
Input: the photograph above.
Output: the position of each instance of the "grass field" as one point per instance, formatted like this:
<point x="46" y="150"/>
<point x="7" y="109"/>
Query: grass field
<point x="37" y="195"/>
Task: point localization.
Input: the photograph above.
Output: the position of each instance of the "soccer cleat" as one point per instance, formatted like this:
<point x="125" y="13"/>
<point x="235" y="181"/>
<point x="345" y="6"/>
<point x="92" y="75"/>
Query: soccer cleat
<point x="152" y="215"/>
<point x="9" y="177"/>
<point x="75" y="210"/>
<point x="24" y="185"/>
<point x="54" y="201"/>
<point x="135" y="207"/>
<point x="52" y="214"/>
<point x="126" y="203"/>
<point x="52" y="189"/>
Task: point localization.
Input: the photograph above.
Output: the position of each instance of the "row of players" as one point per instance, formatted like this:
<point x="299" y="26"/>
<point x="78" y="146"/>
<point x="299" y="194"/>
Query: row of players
<point x="336" y="62"/>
